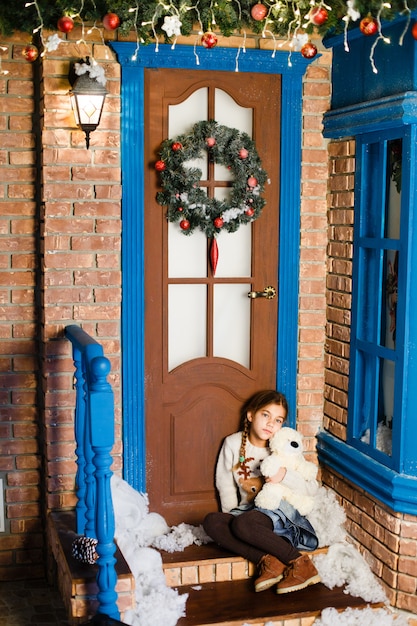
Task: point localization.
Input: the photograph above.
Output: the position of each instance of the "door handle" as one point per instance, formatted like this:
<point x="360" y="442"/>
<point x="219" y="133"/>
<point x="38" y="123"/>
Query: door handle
<point x="268" y="293"/>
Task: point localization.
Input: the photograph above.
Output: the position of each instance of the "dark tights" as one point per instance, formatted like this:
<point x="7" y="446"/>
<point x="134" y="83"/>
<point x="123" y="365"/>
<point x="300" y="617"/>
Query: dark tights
<point x="250" y="534"/>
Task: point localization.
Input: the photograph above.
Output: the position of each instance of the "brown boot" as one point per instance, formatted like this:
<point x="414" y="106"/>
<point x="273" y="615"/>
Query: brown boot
<point x="300" y="574"/>
<point x="271" y="571"/>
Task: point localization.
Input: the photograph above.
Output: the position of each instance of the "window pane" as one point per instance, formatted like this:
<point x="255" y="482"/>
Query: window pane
<point x="389" y="301"/>
<point x="370" y="224"/>
<point x="393" y="199"/>
<point x="386" y="407"/>
<point x="369" y="260"/>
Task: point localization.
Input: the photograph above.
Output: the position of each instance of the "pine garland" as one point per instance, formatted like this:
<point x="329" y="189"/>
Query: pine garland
<point x="284" y="18"/>
<point x="187" y="203"/>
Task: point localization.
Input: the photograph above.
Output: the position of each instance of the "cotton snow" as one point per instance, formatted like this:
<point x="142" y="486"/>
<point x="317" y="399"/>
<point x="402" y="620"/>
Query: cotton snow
<point x="344" y="565"/>
<point x="359" y="617"/>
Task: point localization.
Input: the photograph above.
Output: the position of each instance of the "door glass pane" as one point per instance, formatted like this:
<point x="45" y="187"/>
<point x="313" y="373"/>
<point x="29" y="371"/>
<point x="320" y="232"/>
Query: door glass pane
<point x="232" y="323"/>
<point x="230" y="113"/>
<point x="187" y="256"/>
<point x="183" y="116"/>
<point x="234" y="253"/>
<point x="187" y="306"/>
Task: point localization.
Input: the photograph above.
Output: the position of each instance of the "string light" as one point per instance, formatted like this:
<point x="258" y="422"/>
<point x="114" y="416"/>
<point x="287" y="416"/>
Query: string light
<point x="384" y="5"/>
<point x="135" y="10"/>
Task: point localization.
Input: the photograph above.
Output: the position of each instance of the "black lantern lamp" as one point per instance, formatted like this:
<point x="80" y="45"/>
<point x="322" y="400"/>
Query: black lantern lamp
<point x="87" y="97"/>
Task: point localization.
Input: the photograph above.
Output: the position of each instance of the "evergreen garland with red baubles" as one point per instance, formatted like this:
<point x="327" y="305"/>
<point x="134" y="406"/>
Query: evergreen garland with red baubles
<point x="187" y="202"/>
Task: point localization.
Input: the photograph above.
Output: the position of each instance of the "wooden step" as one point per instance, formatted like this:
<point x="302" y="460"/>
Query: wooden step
<point x="77" y="581"/>
<point x="220" y="592"/>
<point x="205" y="564"/>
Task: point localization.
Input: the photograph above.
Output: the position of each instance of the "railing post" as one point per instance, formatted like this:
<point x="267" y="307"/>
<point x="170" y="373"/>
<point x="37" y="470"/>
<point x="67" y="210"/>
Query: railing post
<point x="79" y="426"/>
<point x="101" y="413"/>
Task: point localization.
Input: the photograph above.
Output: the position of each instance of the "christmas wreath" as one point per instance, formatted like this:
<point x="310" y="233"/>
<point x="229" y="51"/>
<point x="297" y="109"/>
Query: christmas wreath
<point x="187" y="203"/>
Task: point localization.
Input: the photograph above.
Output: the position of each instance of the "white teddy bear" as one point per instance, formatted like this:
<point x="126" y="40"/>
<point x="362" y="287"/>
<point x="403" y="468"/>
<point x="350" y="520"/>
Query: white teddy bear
<point x="286" y="448"/>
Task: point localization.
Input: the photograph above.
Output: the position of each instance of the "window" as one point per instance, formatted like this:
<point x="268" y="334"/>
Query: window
<point x="376" y="355"/>
<point x="380" y="454"/>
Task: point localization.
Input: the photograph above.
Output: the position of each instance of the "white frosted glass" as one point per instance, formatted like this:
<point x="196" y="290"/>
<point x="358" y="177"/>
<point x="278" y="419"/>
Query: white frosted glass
<point x="186" y="323"/>
<point x="230" y="113"/>
<point x="235" y="253"/>
<point x="231" y="328"/>
<point x="183" y="116"/>
<point x="187" y="256"/>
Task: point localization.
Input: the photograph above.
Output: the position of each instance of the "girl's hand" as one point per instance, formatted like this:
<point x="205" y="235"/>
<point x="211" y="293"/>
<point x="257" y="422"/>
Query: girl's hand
<point x="278" y="477"/>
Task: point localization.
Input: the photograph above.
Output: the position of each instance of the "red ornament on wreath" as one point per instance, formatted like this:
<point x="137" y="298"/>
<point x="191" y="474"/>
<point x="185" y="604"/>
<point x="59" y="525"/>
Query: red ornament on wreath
<point x="252" y="181"/>
<point x="368" y="26"/>
<point x="309" y="50"/>
<point x="177" y="145"/>
<point x="243" y="153"/>
<point x="160" y="166"/>
<point x="258" y="11"/>
<point x="210" y="142"/>
<point x="218" y="222"/>
<point x="30" y="53"/>
<point x="185" y="224"/>
<point x="65" y="24"/>
<point x="249" y="212"/>
<point x="209" y="40"/>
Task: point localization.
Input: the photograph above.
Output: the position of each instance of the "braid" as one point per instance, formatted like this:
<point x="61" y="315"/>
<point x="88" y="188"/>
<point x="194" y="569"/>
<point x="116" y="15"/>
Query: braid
<point x="242" y="449"/>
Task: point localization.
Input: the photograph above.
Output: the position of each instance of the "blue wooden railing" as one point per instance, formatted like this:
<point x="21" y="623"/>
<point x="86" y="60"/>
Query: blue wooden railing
<point x="94" y="436"/>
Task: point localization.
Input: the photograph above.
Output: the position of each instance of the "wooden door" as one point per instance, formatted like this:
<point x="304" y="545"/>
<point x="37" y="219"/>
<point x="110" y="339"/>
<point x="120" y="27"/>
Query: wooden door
<point x="198" y="368"/>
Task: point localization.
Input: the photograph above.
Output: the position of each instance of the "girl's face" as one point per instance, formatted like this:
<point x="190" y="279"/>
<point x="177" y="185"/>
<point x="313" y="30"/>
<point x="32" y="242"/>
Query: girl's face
<point x="265" y="423"/>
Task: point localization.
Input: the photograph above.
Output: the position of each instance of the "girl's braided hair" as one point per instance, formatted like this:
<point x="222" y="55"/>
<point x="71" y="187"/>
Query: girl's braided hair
<point x="252" y="405"/>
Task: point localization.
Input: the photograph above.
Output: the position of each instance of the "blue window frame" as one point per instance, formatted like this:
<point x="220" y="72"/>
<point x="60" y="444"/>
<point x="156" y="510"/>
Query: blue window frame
<point x="380" y="454"/>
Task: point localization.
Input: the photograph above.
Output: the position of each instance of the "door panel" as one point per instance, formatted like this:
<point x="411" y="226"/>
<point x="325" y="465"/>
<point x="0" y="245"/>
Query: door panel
<point x="198" y="370"/>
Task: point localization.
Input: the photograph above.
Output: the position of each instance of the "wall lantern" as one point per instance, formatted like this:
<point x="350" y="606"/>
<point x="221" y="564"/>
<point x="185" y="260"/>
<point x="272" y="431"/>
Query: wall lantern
<point x="87" y="99"/>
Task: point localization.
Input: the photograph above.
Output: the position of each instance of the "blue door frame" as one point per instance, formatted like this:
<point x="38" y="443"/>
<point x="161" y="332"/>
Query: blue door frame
<point x="133" y="63"/>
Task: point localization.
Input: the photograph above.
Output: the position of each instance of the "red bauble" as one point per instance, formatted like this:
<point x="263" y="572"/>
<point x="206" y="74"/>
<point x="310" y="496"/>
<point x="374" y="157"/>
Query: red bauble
<point x="318" y="15"/>
<point x="368" y="26"/>
<point x="111" y="21"/>
<point x="252" y="181"/>
<point x="210" y="142"/>
<point x="218" y="222"/>
<point x="177" y="145"/>
<point x="160" y="166"/>
<point x="258" y="11"/>
<point x="30" y="53"/>
<point x="185" y="224"/>
<point x="209" y="40"/>
<point x="309" y="50"/>
<point x="65" y="24"/>
<point x="250" y="212"/>
<point x="414" y="30"/>
<point x="243" y="153"/>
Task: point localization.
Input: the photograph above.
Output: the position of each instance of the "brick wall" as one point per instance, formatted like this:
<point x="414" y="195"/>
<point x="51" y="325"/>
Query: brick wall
<point x="60" y="264"/>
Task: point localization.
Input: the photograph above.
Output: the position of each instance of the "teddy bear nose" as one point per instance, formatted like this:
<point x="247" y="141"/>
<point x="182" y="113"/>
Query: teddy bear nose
<point x="294" y="444"/>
